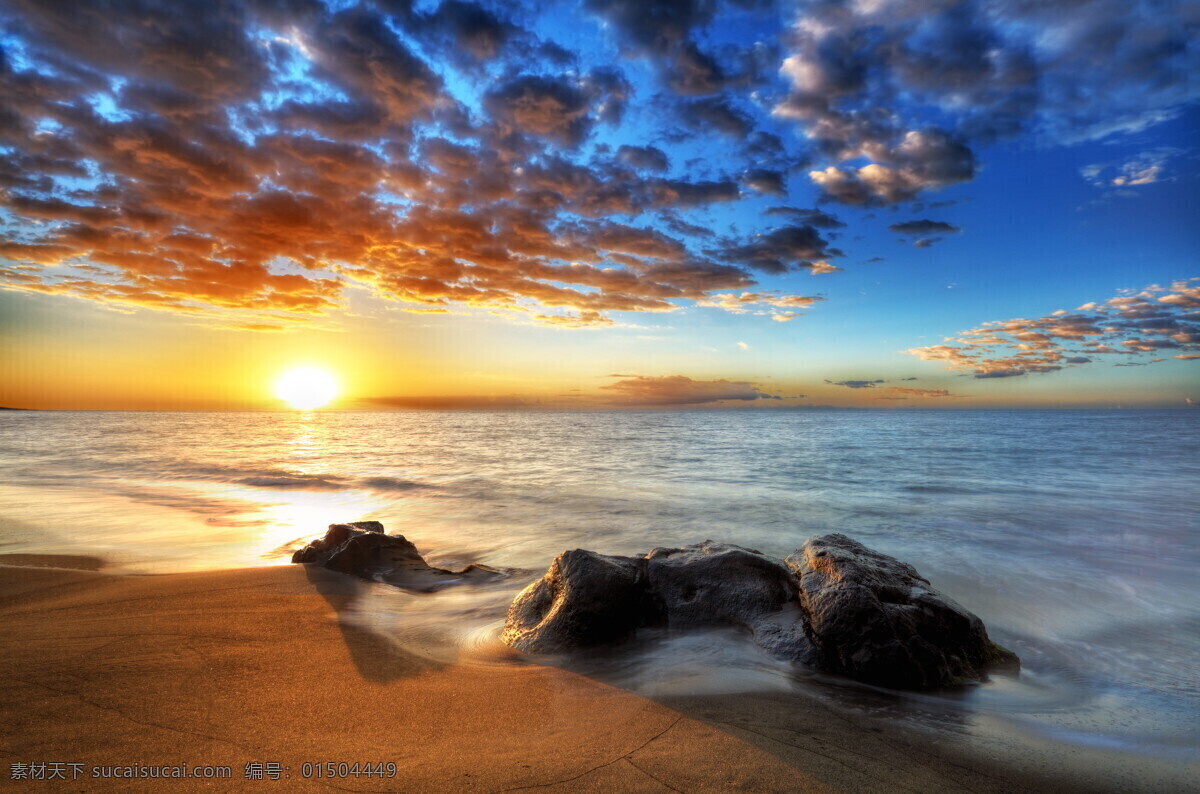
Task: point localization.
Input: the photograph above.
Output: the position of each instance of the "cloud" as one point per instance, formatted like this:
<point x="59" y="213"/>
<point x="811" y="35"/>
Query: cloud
<point x="453" y="402"/>
<point x="207" y="58"/>
<point x="810" y="217"/>
<point x="1007" y="373"/>
<point x="923" y="160"/>
<point x="664" y="31"/>
<point x="470" y="33"/>
<point x="655" y="26"/>
<point x="902" y="393"/>
<point x="358" y="53"/>
<point x="1144" y="168"/>
<point x="924" y="227"/>
<point x="856" y="384"/>
<point x="1130" y="324"/>
<point x="717" y="114"/>
<point x="255" y="161"/>
<point x="680" y="390"/>
<point x="558" y="110"/>
<point x="768" y="149"/>
<point x="821" y="266"/>
<point x="766" y="181"/>
<point x="647" y="158"/>
<point x="780" y="308"/>
<point x="783" y="249"/>
<point x="872" y="79"/>
<point x="244" y="160"/>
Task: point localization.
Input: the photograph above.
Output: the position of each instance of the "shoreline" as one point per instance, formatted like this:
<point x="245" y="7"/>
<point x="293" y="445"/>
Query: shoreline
<point x="252" y="665"/>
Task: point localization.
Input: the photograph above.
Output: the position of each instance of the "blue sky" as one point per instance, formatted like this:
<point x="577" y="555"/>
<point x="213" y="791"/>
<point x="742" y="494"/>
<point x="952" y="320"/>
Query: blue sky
<point x="602" y="203"/>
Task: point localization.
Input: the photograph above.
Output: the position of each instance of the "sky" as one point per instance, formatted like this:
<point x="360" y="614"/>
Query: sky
<point x="601" y="204"/>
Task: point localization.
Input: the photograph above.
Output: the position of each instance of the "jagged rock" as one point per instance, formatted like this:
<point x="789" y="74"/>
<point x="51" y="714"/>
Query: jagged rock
<point x="875" y="619"/>
<point x="585" y="599"/>
<point x="362" y="549"/>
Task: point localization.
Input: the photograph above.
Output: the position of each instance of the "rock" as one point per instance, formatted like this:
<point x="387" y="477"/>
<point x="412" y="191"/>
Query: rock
<point x="321" y="549"/>
<point x="713" y="584"/>
<point x="362" y="549"/>
<point x="720" y="584"/>
<point x="588" y="599"/>
<point x="834" y="604"/>
<point x="584" y="600"/>
<point x="874" y="618"/>
<point x="782" y="635"/>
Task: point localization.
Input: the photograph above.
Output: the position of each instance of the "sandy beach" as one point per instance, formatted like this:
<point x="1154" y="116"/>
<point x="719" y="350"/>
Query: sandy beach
<point x="253" y="667"/>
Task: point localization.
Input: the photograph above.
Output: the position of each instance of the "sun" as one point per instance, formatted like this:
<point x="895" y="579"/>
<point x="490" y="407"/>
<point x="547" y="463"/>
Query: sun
<point x="306" y="388"/>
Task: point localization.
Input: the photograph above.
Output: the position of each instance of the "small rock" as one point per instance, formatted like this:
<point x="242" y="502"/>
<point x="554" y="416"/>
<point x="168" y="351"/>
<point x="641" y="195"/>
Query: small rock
<point x="362" y="549"/>
<point x="321" y="549"/>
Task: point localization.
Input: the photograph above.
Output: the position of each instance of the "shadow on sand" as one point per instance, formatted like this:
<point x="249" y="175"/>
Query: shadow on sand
<point x="376" y="657"/>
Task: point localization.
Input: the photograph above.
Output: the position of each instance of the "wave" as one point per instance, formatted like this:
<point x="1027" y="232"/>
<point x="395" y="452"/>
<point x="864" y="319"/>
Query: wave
<point x="390" y="484"/>
<point x="329" y="482"/>
<point x="98" y="473"/>
<point x="303" y="482"/>
<point x="937" y="489"/>
<point x="283" y="479"/>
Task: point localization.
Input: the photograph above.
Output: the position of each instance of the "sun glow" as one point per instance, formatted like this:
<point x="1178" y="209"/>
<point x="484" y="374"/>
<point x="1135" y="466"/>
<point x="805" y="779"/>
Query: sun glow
<point x="306" y="388"/>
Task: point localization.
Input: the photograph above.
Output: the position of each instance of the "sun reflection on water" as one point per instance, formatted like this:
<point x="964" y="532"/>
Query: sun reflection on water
<point x="295" y="515"/>
<point x="307" y="439"/>
<point x="301" y="515"/>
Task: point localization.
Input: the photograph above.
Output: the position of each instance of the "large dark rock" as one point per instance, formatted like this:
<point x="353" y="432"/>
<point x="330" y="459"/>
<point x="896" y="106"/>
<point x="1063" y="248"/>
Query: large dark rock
<point x="874" y="618"/>
<point x="834" y="604"/>
<point x="362" y="549"/>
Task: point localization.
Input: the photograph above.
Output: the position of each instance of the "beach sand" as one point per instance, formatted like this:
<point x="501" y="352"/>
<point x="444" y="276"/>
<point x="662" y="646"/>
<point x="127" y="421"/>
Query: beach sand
<point x="253" y="666"/>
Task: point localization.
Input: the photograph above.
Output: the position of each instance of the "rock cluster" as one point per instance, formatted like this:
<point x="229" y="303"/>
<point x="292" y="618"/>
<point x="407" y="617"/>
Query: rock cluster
<point x="834" y="603"/>
<point x="362" y="549"/>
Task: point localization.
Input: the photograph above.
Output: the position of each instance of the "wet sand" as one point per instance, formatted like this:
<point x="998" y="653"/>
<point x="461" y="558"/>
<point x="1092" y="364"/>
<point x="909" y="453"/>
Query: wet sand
<point x="253" y="666"/>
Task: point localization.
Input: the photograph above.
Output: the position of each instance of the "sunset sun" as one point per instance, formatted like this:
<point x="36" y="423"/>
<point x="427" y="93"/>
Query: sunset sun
<point x="306" y="388"/>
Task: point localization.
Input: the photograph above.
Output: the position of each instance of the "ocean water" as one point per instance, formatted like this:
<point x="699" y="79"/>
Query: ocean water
<point x="1075" y="535"/>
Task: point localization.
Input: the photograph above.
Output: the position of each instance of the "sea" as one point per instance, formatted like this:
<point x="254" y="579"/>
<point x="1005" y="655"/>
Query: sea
<point x="1074" y="535"/>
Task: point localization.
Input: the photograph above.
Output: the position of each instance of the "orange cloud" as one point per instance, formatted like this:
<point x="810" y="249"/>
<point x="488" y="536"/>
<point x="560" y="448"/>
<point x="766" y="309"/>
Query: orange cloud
<point x="1152" y="320"/>
<point x="211" y="182"/>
